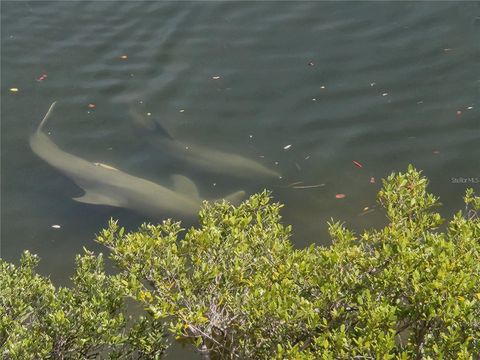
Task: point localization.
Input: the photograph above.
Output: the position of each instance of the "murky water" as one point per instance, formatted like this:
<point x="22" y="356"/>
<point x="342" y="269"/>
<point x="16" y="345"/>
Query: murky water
<point x="385" y="84"/>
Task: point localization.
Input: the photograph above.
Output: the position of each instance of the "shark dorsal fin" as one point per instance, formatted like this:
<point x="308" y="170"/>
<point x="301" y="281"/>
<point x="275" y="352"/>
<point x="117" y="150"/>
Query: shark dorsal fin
<point x="185" y="186"/>
<point x="148" y="123"/>
<point x="95" y="198"/>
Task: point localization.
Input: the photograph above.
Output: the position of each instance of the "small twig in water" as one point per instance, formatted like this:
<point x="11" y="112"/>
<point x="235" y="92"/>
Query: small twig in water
<point x="308" y="186"/>
<point x="366" y="212"/>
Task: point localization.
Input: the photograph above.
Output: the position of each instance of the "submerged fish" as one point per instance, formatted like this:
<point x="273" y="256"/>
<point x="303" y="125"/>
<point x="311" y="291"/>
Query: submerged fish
<point x="206" y="158"/>
<point x="106" y="185"/>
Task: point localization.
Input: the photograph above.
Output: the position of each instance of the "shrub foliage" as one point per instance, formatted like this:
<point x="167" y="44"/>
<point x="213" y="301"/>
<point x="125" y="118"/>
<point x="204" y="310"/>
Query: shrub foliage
<point x="235" y="287"/>
<point x="86" y="321"/>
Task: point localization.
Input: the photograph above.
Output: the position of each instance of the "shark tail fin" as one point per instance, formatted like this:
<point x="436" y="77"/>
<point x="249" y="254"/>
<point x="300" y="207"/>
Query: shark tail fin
<point x="236" y="197"/>
<point x="45" y="118"/>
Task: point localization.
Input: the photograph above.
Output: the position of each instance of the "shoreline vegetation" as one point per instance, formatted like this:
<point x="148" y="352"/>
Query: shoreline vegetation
<point x="235" y="287"/>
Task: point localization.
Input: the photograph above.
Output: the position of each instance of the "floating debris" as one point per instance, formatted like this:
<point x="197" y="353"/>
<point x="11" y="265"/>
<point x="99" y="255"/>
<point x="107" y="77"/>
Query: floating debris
<point x="459" y="113"/>
<point x="366" y="211"/>
<point x="447" y="49"/>
<point x="14" y="90"/>
<point x="357" y="164"/>
<point x="385" y="94"/>
<point x="307" y="157"/>
<point x="419" y="102"/>
<point x="276" y="162"/>
<point x="372" y="180"/>
<point x="286" y="147"/>
<point x="307" y="186"/>
<point x="322" y="87"/>
<point x="216" y="77"/>
<point x="311" y="63"/>
<point x="92" y="106"/>
<point x="250" y="136"/>
<point x="182" y="110"/>
<point x="56" y="226"/>
<point x="295" y="183"/>
<point x="314" y="99"/>
<point x="149" y="114"/>
<point x="105" y="166"/>
<point x="340" y="196"/>
<point x="124" y="57"/>
<point x="41" y="77"/>
<point x="470" y="108"/>
<point x="436" y="152"/>
<point x="373" y="83"/>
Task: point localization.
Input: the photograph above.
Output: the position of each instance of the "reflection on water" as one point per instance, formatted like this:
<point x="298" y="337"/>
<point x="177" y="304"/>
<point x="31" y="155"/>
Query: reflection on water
<point x="385" y="84"/>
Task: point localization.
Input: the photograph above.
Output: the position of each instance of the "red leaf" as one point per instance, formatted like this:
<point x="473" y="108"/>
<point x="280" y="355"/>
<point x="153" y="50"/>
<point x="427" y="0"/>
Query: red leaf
<point x="42" y="77"/>
<point x="357" y="164"/>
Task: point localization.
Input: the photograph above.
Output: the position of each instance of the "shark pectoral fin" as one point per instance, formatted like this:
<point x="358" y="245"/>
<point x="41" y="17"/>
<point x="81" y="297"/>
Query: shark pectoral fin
<point x="236" y="197"/>
<point x="185" y="186"/>
<point x="94" y="198"/>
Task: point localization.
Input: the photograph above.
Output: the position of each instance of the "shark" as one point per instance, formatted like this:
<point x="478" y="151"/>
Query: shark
<point x="106" y="185"/>
<point x="199" y="156"/>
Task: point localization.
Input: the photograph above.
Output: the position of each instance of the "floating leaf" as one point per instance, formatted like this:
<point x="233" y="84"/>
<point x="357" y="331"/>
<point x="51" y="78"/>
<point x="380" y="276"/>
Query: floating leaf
<point x="357" y="164"/>
<point x="42" y="77"/>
